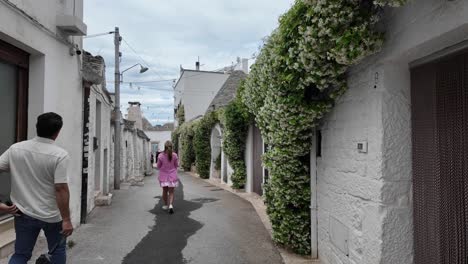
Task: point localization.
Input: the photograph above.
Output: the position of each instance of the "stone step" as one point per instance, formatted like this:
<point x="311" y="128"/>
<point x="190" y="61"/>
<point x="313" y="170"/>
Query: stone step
<point x="7" y="237"/>
<point x="103" y="200"/>
<point x="7" y="224"/>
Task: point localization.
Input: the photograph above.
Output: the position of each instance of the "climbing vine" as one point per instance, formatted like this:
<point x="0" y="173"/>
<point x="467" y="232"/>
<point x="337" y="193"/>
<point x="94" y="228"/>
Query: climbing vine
<point x="175" y="139"/>
<point x="236" y="125"/>
<point x="187" y="132"/>
<point x="181" y="115"/>
<point x="202" y="144"/>
<point x="298" y="75"/>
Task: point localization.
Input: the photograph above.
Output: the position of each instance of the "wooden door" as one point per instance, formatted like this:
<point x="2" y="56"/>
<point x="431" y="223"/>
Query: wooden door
<point x="439" y="92"/>
<point x="13" y="104"/>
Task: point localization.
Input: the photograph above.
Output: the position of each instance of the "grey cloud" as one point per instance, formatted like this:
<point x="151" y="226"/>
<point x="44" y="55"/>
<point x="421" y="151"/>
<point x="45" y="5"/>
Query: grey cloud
<point x="167" y="34"/>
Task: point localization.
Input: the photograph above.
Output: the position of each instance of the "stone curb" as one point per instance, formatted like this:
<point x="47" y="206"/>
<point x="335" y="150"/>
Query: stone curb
<point x="260" y="208"/>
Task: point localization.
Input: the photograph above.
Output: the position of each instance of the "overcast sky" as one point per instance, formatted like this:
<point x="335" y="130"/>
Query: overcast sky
<point x="168" y="33"/>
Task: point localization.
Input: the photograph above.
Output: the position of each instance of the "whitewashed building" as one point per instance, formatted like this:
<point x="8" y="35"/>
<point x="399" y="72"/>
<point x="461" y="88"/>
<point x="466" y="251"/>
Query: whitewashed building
<point x="97" y="138"/>
<point x="195" y="90"/>
<point x="40" y="72"/>
<point x="388" y="177"/>
<point x="225" y="95"/>
<point x="136" y="147"/>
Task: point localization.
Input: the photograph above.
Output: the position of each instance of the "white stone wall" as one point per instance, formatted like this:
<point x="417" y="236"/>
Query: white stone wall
<point x="159" y="137"/>
<point x="54" y="78"/>
<point x="105" y="142"/>
<point x="249" y="160"/>
<point x="364" y="199"/>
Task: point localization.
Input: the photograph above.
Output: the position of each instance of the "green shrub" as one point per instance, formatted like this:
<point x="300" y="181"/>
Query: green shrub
<point x="295" y="81"/>
<point x="187" y="131"/>
<point x="181" y="115"/>
<point x="202" y="144"/>
<point x="236" y="126"/>
<point x="175" y="135"/>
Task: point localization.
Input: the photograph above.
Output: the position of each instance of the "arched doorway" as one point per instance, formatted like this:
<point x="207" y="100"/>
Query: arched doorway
<point x="216" y="153"/>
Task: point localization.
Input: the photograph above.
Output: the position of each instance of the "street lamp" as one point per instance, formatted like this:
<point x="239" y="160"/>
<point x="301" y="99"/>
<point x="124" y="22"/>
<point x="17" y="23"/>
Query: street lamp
<point x="142" y="70"/>
<point x="118" y="78"/>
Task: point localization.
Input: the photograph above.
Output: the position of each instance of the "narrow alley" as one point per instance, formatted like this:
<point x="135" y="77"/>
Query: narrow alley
<point x="136" y="230"/>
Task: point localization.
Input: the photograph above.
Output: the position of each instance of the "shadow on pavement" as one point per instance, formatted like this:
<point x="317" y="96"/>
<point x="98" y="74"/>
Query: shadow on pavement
<point x="170" y="233"/>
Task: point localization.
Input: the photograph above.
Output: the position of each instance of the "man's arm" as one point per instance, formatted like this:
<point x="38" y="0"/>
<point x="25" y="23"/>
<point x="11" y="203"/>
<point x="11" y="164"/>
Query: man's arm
<point x="5" y="161"/>
<point x="62" y="194"/>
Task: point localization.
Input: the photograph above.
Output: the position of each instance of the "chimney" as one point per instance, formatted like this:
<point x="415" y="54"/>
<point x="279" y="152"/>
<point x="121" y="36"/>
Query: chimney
<point x="245" y="66"/>
<point x="197" y="65"/>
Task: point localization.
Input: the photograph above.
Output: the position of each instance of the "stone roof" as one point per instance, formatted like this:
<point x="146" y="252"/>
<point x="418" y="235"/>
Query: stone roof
<point x="228" y="91"/>
<point x="94" y="69"/>
<point x="129" y="125"/>
<point x="142" y="135"/>
<point x="147" y="126"/>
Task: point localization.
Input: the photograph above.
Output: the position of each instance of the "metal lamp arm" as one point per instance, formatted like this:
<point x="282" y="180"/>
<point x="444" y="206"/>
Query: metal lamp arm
<point x="121" y="74"/>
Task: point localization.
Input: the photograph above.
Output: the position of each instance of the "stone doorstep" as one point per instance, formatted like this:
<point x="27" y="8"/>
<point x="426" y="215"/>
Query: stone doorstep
<point x="103" y="200"/>
<point x="137" y="181"/>
<point x="7" y="237"/>
<point x="7" y="243"/>
<point x="260" y="208"/>
<point x="7" y="224"/>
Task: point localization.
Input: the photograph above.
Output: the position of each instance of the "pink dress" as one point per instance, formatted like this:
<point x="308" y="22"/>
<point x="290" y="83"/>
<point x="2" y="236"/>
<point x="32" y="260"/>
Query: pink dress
<point x="168" y="170"/>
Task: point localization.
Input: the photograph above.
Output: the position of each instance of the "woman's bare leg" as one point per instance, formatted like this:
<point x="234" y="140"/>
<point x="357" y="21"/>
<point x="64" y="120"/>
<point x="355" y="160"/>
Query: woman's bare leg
<point x="164" y="196"/>
<point x="171" y="195"/>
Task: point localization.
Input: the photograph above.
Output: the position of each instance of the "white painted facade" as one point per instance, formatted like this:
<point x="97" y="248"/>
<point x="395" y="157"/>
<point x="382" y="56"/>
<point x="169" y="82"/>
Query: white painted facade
<point x="364" y="200"/>
<point x="54" y="75"/>
<point x="135" y="149"/>
<point x="159" y="138"/>
<point x="99" y="167"/>
<point x="195" y="90"/>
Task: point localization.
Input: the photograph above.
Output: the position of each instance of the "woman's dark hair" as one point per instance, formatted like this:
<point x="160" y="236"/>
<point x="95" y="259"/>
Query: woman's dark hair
<point x="48" y="125"/>
<point x="168" y="149"/>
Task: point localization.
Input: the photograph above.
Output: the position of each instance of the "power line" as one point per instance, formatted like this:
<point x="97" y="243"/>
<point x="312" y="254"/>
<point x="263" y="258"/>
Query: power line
<point x="141" y="58"/>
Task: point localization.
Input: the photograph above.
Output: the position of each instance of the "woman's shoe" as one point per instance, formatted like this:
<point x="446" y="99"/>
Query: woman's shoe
<point x="171" y="209"/>
<point x="165" y="207"/>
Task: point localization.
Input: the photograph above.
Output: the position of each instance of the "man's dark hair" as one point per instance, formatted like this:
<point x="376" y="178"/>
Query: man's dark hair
<point x="48" y="125"/>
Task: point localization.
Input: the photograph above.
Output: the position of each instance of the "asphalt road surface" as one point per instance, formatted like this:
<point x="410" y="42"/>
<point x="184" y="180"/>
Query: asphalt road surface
<point x="209" y="225"/>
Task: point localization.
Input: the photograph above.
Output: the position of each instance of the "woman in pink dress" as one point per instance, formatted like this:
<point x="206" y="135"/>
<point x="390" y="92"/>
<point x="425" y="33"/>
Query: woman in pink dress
<point x="167" y="165"/>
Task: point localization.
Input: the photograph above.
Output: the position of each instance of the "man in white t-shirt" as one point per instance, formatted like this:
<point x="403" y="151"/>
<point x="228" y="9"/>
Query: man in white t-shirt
<point x="39" y="190"/>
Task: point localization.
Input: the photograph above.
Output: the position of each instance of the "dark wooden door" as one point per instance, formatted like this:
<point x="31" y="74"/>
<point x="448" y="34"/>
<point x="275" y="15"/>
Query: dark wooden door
<point x="440" y="160"/>
<point x="257" y="161"/>
<point x="14" y="65"/>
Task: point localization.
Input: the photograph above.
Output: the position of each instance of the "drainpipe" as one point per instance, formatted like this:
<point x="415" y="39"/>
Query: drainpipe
<point x="313" y="199"/>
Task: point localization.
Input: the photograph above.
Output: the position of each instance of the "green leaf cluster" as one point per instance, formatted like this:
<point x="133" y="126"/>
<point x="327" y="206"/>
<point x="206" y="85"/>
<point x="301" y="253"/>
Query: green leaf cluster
<point x="202" y="143"/>
<point x="187" y="133"/>
<point x="236" y="126"/>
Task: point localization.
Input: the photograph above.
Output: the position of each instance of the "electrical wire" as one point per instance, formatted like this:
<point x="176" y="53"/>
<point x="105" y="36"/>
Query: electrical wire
<point x="97" y="35"/>
<point x="141" y="58"/>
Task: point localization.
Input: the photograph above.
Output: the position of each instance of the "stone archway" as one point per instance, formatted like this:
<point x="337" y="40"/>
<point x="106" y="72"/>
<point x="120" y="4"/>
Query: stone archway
<point x="216" y="152"/>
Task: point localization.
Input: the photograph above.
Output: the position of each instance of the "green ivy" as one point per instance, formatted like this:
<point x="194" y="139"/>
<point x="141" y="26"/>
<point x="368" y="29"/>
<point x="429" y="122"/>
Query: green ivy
<point x="187" y="132"/>
<point x="236" y="126"/>
<point x="298" y="75"/>
<point x="202" y="144"/>
<point x="175" y="135"/>
<point x="181" y="115"/>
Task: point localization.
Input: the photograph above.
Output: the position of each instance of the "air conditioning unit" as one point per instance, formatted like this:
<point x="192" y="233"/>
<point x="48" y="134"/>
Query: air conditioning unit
<point x="71" y="25"/>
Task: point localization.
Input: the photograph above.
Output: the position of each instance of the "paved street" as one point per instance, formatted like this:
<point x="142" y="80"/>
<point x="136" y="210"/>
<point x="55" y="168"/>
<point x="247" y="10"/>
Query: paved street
<point x="136" y="230"/>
